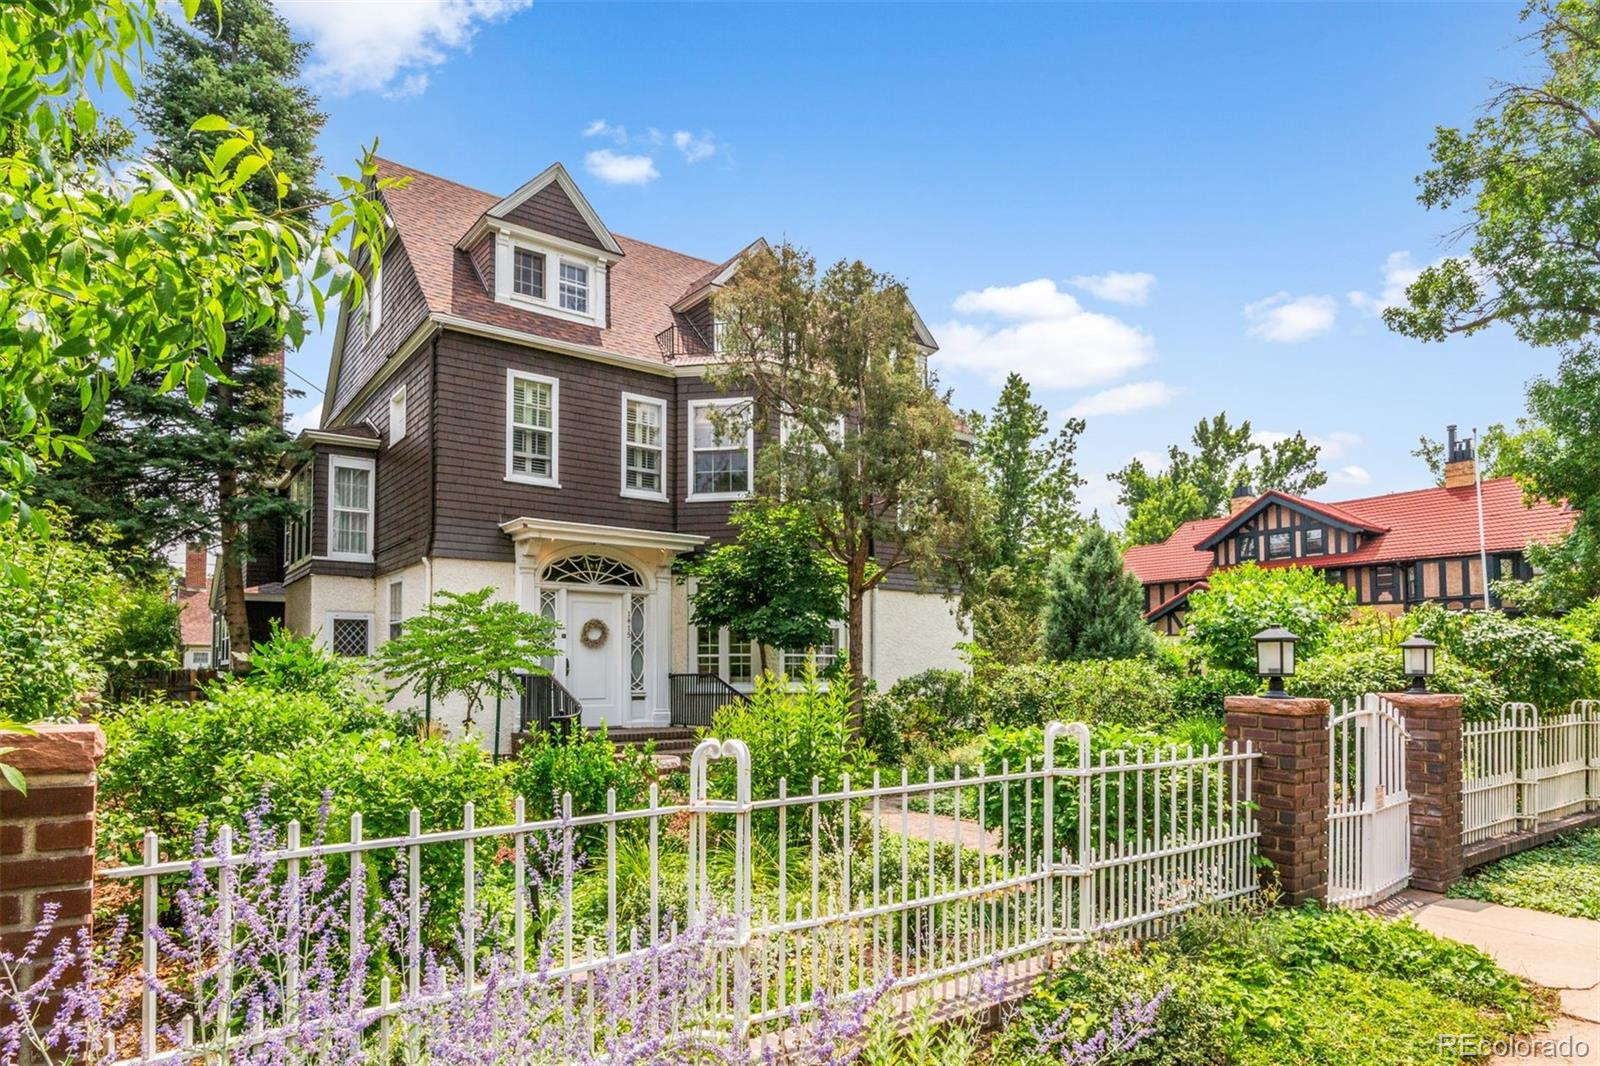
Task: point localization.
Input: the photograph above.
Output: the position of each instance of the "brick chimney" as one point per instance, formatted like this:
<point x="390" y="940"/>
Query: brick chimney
<point x="1460" y="462"/>
<point x="1242" y="498"/>
<point x="195" y="564"/>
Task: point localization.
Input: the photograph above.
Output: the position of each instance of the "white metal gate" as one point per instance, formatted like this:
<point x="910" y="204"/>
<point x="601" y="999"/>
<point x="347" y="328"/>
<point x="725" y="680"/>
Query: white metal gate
<point x="1369" y="809"/>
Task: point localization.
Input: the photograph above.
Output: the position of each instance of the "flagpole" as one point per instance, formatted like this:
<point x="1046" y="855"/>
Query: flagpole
<point x="1483" y="549"/>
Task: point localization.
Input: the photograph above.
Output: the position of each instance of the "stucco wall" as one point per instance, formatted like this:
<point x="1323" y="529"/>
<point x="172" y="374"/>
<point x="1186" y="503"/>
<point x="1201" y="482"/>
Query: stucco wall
<point x="913" y="632"/>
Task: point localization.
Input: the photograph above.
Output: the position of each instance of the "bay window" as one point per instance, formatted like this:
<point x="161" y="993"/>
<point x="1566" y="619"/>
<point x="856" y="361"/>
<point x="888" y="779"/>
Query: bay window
<point x="349" y="508"/>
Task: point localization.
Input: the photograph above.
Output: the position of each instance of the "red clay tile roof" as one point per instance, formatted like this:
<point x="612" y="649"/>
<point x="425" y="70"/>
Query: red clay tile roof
<point x="1172" y="601"/>
<point x="431" y="214"/>
<point x="1421" y="524"/>
<point x="1332" y="512"/>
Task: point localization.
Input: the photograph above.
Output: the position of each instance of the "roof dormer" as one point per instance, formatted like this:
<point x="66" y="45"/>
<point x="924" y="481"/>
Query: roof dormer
<point x="544" y="249"/>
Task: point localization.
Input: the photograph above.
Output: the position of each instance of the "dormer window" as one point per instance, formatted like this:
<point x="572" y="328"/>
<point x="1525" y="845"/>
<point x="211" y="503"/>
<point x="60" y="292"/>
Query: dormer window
<point x="527" y="273"/>
<point x="575" y="288"/>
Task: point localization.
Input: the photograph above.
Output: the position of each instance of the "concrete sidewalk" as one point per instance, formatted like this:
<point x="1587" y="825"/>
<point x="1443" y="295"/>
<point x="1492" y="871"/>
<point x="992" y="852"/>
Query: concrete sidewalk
<point x="1547" y="949"/>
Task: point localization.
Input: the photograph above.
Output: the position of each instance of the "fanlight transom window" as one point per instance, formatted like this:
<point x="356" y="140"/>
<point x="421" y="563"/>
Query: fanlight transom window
<point x="593" y="570"/>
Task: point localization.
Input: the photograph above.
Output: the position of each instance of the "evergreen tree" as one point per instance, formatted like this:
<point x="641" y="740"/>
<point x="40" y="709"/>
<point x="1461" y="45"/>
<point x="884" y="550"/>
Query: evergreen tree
<point x="161" y="469"/>
<point x="1032" y="481"/>
<point x="1095" y="607"/>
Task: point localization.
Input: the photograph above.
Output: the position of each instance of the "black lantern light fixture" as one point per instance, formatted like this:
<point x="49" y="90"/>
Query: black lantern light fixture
<point x="1417" y="655"/>
<point x="1275" y="658"/>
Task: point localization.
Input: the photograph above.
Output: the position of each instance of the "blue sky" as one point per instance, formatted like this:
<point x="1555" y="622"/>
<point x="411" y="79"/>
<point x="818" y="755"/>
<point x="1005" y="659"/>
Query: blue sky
<point x="1152" y="212"/>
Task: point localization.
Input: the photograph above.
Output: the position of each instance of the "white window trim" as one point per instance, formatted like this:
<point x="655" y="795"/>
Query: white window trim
<point x="661" y="405"/>
<point x="749" y="450"/>
<point x="405" y="416"/>
<point x="724" y="646"/>
<point x="554" y="480"/>
<point x="544" y="275"/>
<point x="554" y="254"/>
<point x="345" y="616"/>
<point x="374" y="298"/>
<point x="389" y="607"/>
<point x="335" y="462"/>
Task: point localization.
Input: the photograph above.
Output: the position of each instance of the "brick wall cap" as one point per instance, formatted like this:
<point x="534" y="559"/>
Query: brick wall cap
<point x="1425" y="701"/>
<point x="56" y="749"/>
<point x="1295" y="706"/>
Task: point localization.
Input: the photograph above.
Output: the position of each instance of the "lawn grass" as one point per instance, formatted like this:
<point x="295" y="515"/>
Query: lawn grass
<point x="1261" y="988"/>
<point x="1562" y="877"/>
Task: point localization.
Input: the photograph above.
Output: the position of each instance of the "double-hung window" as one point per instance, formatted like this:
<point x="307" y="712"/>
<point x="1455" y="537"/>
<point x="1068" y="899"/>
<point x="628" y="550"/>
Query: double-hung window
<point x="823" y="655"/>
<point x="397" y="415"/>
<point x="574" y="290"/>
<point x="397" y="599"/>
<point x="297" y="530"/>
<point x="1280" y="544"/>
<point x="527" y="273"/>
<point x="1314" y="540"/>
<point x="719" y="652"/>
<point x="531" y="419"/>
<point x="720" y="457"/>
<point x="349" y="508"/>
<point x="644" y="446"/>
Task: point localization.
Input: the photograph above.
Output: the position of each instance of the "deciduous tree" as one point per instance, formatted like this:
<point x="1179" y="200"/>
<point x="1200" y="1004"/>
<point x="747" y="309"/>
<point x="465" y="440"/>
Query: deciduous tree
<point x="1225" y="456"/>
<point x="772" y="584"/>
<point x="857" y="436"/>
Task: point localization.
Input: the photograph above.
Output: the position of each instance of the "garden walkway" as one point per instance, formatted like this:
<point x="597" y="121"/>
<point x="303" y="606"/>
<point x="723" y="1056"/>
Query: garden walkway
<point x="943" y="830"/>
<point x="1548" y="949"/>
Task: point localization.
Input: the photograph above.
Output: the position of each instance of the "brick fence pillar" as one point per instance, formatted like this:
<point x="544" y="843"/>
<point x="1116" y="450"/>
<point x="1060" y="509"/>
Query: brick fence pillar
<point x="1433" y="778"/>
<point x="47" y="836"/>
<point x="1291" y="788"/>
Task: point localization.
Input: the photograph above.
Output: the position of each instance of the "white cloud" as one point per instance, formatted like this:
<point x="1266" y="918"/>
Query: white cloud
<point x="379" y="45"/>
<point x="601" y="128"/>
<point x="1350" y="475"/>
<point x="1031" y="299"/>
<point x="1044" y="335"/>
<point x="694" y="148"/>
<point x="617" y="168"/>
<point x="310" y="418"/>
<point x="1398" y="273"/>
<point x="1117" y="286"/>
<point x="1282" y="319"/>
<point x="1124" y="399"/>
<point x="1332" y="446"/>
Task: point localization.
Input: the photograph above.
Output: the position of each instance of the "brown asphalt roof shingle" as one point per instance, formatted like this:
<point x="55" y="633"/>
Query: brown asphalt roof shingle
<point x="431" y="214"/>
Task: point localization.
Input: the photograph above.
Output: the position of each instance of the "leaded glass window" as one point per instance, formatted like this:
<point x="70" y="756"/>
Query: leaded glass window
<point x="636" y="627"/>
<point x="593" y="570"/>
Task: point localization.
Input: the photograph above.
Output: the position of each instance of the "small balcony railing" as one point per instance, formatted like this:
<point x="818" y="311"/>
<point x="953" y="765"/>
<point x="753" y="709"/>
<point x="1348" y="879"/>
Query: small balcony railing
<point x="696" y="698"/>
<point x="676" y="341"/>
<point x="547" y="705"/>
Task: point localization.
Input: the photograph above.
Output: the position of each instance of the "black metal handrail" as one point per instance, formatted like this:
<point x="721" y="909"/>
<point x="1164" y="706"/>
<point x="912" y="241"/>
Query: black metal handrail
<point x="696" y="698"/>
<point x="678" y="340"/>
<point x="547" y="705"/>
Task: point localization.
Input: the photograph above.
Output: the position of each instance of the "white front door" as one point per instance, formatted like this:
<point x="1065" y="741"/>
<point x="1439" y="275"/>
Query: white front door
<point x="594" y="674"/>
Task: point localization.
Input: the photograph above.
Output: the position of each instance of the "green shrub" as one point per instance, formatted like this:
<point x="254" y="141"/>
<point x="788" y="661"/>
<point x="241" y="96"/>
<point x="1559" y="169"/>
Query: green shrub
<point x="1097" y="691"/>
<point x="143" y="643"/>
<point x="1349" y="675"/>
<point x="1534" y="659"/>
<point x="62" y="609"/>
<point x="169" y="765"/>
<point x="932" y="708"/>
<point x="1202" y="694"/>
<point x="382" y="775"/>
<point x="1224" y="618"/>
<point x="286" y="663"/>
<point x="583" y="763"/>
<point x="796" y="731"/>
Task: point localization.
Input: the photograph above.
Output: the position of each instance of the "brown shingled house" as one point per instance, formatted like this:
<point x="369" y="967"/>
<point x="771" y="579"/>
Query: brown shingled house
<point x="520" y="403"/>
<point x="1392" y="551"/>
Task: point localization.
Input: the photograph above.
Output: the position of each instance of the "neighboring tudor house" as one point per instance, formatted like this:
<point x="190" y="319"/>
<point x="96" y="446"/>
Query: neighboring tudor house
<point x="1391" y="551"/>
<point x="521" y="403"/>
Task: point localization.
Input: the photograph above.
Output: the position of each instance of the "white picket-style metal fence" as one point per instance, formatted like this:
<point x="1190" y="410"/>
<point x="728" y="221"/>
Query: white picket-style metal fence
<point x="1522" y="770"/>
<point x="1369" y="807"/>
<point x="925" y="884"/>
